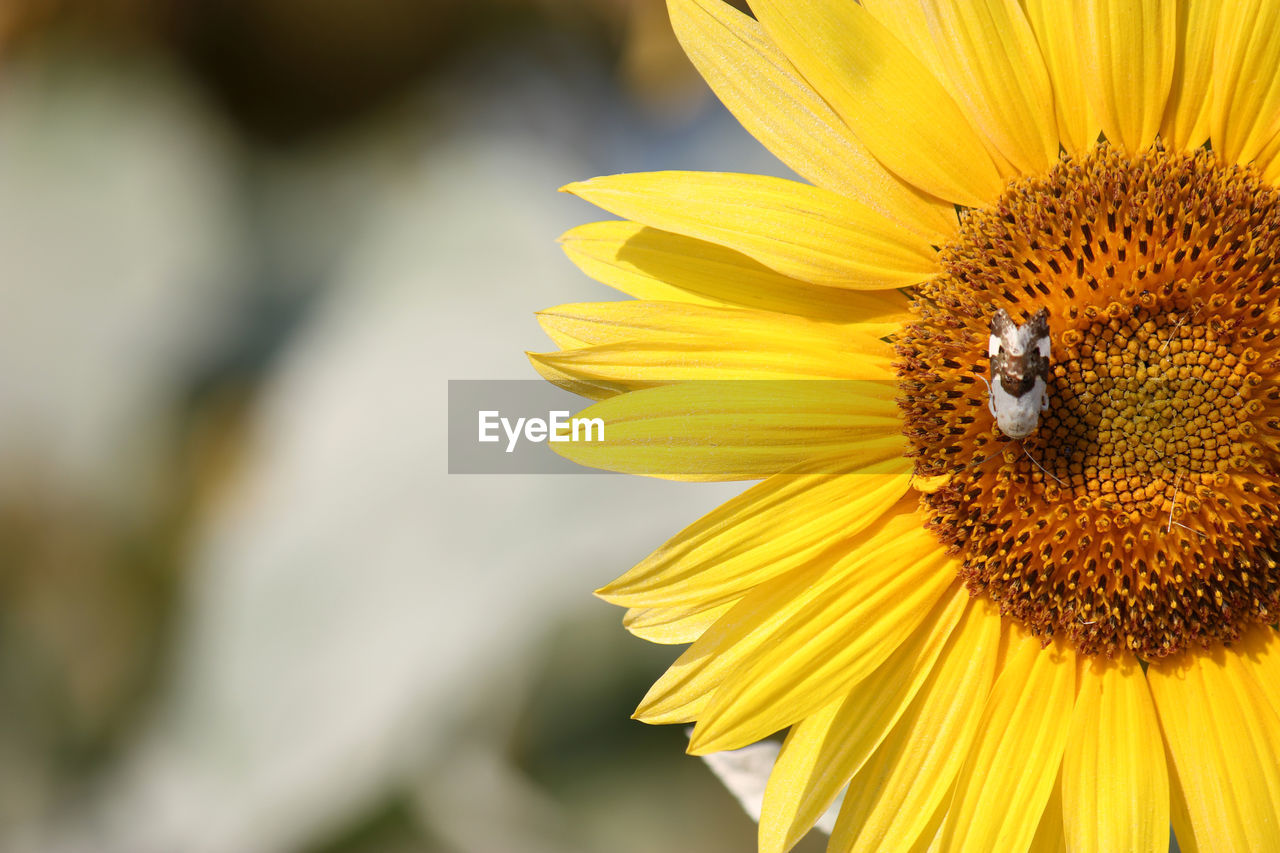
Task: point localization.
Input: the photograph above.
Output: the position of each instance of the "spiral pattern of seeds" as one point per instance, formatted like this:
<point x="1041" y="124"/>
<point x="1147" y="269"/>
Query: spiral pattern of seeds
<point x="1144" y="512"/>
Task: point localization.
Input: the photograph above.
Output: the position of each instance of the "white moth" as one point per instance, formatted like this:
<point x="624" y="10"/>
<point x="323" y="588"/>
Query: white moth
<point x="1019" y="372"/>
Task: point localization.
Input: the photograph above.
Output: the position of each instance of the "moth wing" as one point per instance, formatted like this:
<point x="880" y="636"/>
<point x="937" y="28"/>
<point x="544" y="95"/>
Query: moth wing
<point x="1038" y="327"/>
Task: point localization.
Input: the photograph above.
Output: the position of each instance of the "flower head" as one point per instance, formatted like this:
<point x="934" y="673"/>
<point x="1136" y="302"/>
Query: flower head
<point x="991" y="641"/>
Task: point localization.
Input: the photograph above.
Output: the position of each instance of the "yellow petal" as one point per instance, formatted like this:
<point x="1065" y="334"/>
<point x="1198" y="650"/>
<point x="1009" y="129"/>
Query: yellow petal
<point x="1008" y="777"/>
<point x="1186" y="117"/>
<point x="909" y="24"/>
<point x="1222" y="734"/>
<point x="770" y="529"/>
<point x="658" y="265"/>
<point x="793" y="785"/>
<point x="575" y="385"/>
<point x="702" y="668"/>
<point x="804" y="232"/>
<point x="990" y="63"/>
<point x="1179" y="813"/>
<point x="683" y="691"/>
<point x="894" y="105"/>
<point x="759" y="85"/>
<point x="1054" y="23"/>
<point x="836" y="634"/>
<point x="890" y="800"/>
<point x="644" y="343"/>
<point x="823" y="751"/>
<point x="1246" y="87"/>
<point x="673" y="624"/>
<point x="740" y="430"/>
<point x="631" y="366"/>
<point x="1271" y="167"/>
<point x="1115" y="785"/>
<point x="929" y="841"/>
<point x="1127" y="53"/>
<point x="929" y="485"/>
<point x="1051" y="835"/>
<point x="1259" y="651"/>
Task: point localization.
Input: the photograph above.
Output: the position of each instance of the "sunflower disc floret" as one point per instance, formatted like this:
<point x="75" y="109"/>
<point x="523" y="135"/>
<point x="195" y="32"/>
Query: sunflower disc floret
<point x="1142" y="514"/>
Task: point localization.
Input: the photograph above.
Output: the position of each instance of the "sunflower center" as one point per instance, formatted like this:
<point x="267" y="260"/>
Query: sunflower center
<point x="1143" y="513"/>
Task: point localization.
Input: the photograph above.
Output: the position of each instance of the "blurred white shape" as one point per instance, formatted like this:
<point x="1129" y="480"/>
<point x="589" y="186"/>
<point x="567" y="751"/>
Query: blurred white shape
<point x="745" y="772"/>
<point x="119" y="258"/>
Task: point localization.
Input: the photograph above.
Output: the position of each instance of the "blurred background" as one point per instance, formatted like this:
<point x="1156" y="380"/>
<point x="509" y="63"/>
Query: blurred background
<point x="243" y="606"/>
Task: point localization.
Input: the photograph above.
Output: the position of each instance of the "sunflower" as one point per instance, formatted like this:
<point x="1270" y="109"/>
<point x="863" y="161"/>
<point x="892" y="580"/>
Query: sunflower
<point x="987" y="641"/>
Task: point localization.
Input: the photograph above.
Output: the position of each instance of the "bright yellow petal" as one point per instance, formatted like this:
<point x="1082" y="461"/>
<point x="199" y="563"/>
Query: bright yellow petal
<point x="929" y="840"/>
<point x="793" y="785"/>
<point x="645" y="343"/>
<point x="890" y="800"/>
<point x="770" y="529"/>
<point x="1222" y="735"/>
<point x="1246" y="82"/>
<point x="1186" y="117"/>
<point x="1008" y="777"/>
<point x="575" y="385"/>
<point x="683" y="690"/>
<point x="1115" y="785"/>
<point x="1127" y="52"/>
<point x="915" y="25"/>
<point x="632" y="366"/>
<point x="1051" y="834"/>
<point x="990" y="63"/>
<point x="1054" y="24"/>
<point x="740" y="430"/>
<point x="1179" y="813"/>
<point x="1259" y="651"/>
<point x="909" y="24"/>
<point x="650" y="264"/>
<point x="759" y="85"/>
<point x="891" y="100"/>
<point x="676" y="624"/>
<point x="804" y="232"/>
<point x="841" y="629"/>
<point x="822" y="752"/>
<point x="1271" y="167"/>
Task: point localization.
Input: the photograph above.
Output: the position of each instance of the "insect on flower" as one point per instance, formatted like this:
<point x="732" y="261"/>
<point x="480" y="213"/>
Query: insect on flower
<point x="1019" y="372"/>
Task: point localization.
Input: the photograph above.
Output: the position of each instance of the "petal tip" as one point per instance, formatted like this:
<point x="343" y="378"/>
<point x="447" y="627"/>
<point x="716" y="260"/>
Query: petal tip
<point x="929" y="485"/>
<point x="609" y="594"/>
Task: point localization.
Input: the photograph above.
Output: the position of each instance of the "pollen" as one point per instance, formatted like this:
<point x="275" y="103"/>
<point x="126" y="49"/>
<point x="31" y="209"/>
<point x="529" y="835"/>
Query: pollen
<point x="1142" y="514"/>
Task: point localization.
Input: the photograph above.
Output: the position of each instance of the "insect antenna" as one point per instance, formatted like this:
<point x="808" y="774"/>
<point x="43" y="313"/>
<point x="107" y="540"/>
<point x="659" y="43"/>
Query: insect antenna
<point x="1174" y="503"/>
<point x="1041" y="467"/>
